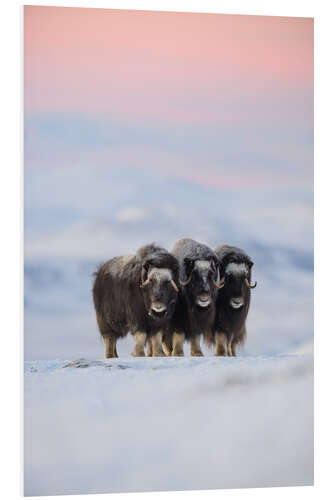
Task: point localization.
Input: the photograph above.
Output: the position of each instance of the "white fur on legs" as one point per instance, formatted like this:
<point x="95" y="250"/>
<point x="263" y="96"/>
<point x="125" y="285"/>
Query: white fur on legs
<point x="156" y="341"/>
<point x="195" y="346"/>
<point x="221" y="342"/>
<point x="139" y="347"/>
<point x="149" y="352"/>
<point x="230" y="353"/>
<point x="178" y="344"/>
<point x="167" y="343"/>
<point x="110" y="347"/>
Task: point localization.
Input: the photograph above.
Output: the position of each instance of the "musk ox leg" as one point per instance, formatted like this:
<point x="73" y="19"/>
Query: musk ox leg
<point x="110" y="347"/>
<point x="178" y="344"/>
<point x="230" y="346"/>
<point x="149" y="352"/>
<point x="195" y="346"/>
<point x="139" y="347"/>
<point x="233" y="349"/>
<point x="221" y="342"/>
<point x="156" y="341"/>
<point x="167" y="343"/>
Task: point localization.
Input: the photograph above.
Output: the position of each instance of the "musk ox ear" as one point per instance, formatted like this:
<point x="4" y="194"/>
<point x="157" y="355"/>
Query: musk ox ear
<point x="144" y="271"/>
<point x="250" y="263"/>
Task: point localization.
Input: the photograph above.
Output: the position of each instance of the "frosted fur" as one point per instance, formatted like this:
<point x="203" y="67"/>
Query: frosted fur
<point x="161" y="274"/>
<point x="201" y="265"/>
<point x="236" y="268"/>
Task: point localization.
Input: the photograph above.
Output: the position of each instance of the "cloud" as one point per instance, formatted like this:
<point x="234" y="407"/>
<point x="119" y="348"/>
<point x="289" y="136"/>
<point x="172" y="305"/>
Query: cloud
<point x="222" y="157"/>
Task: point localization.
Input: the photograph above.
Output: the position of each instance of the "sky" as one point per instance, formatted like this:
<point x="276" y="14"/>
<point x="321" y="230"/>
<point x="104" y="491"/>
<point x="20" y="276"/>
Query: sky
<point x="221" y="100"/>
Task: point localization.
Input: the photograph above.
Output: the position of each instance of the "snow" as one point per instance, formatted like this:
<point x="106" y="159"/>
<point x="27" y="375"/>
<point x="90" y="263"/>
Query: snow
<point x="150" y="424"/>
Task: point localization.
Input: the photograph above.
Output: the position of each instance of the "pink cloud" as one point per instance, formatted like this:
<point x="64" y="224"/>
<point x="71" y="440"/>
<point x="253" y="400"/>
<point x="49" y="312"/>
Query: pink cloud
<point x="166" y="66"/>
<point x="197" y="169"/>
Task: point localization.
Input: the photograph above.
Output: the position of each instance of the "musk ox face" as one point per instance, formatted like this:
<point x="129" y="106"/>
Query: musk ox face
<point x="201" y="277"/>
<point x="160" y="292"/>
<point x="237" y="278"/>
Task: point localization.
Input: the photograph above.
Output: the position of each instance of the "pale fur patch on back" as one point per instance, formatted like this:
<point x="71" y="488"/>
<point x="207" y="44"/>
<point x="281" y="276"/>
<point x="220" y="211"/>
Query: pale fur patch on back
<point x="236" y="268"/>
<point x="125" y="258"/>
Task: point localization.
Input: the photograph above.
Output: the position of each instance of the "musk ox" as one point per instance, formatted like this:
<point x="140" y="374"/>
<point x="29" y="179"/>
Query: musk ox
<point x="233" y="301"/>
<point x="195" y="310"/>
<point x="136" y="293"/>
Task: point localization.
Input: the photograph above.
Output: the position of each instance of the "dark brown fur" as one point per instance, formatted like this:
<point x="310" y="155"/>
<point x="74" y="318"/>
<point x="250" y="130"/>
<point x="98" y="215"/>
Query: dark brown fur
<point x="121" y="304"/>
<point x="230" y="321"/>
<point x="189" y="318"/>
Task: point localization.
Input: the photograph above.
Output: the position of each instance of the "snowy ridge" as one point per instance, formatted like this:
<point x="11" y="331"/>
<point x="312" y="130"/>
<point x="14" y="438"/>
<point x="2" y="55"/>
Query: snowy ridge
<point x="129" y="424"/>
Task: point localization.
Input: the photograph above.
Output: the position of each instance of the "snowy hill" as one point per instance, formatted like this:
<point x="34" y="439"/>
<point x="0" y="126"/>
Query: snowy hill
<point x="101" y="426"/>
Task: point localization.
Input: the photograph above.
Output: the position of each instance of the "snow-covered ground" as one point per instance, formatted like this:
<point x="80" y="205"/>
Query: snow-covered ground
<point x="100" y="426"/>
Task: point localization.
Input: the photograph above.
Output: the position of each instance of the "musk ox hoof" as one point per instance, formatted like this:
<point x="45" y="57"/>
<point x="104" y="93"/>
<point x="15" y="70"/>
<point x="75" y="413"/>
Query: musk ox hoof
<point x="139" y="354"/>
<point x="196" y="353"/>
<point x="178" y="353"/>
<point x="159" y="354"/>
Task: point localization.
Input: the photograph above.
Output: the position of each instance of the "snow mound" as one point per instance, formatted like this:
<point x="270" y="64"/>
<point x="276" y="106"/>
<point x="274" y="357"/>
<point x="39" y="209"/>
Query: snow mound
<point x="149" y="424"/>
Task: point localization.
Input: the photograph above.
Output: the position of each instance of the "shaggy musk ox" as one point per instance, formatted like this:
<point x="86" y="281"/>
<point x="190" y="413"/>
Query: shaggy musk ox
<point x="136" y="293"/>
<point x="233" y="301"/>
<point x="195" y="310"/>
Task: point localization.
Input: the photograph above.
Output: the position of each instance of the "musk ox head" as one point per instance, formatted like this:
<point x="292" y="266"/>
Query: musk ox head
<point x="235" y="270"/>
<point x="159" y="278"/>
<point x="200" y="282"/>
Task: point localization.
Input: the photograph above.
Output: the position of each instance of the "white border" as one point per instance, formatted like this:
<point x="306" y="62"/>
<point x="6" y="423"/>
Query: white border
<point x="12" y="225"/>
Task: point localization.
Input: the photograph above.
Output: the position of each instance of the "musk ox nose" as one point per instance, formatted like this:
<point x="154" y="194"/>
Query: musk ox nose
<point x="158" y="307"/>
<point x="203" y="300"/>
<point x="237" y="302"/>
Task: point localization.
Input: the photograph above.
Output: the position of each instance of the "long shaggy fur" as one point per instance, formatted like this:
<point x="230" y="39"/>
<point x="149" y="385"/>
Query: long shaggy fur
<point x="228" y="320"/>
<point x="121" y="304"/>
<point x="189" y="319"/>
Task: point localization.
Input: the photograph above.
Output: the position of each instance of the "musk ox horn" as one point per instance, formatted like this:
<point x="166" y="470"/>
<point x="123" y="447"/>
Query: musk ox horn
<point x="174" y="285"/>
<point x="144" y="283"/>
<point x="221" y="285"/>
<point x="248" y="284"/>
<point x="184" y="283"/>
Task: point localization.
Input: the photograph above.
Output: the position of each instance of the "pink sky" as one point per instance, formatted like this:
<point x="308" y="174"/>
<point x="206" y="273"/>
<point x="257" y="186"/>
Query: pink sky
<point x="219" y="100"/>
<point x="172" y="67"/>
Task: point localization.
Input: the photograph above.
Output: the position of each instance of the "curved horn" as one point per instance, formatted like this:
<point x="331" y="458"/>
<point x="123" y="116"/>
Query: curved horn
<point x="174" y="285"/>
<point x="145" y="283"/>
<point x="184" y="283"/>
<point x="248" y="284"/>
<point x="221" y="285"/>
